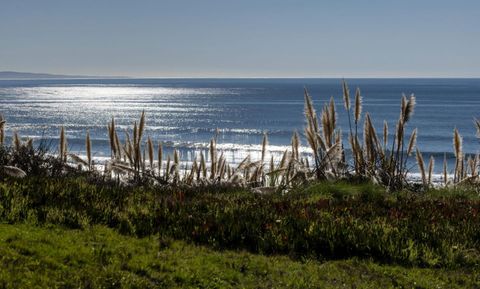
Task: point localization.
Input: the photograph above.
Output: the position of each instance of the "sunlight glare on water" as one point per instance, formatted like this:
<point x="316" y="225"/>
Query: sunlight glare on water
<point x="185" y="113"/>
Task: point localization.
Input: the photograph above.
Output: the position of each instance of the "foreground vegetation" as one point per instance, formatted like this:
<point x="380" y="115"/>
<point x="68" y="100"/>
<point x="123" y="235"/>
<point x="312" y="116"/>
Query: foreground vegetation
<point x="82" y="231"/>
<point x="321" y="221"/>
<point x="97" y="257"/>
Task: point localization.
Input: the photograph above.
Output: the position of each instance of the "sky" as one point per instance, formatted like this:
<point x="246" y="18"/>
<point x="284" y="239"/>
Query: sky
<point x="243" y="38"/>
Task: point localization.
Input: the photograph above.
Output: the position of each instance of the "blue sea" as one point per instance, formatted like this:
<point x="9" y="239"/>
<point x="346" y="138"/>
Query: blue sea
<point x="185" y="113"/>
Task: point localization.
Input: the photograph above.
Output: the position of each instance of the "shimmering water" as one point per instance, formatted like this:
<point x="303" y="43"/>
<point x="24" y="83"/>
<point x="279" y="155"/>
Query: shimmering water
<point x="185" y="113"/>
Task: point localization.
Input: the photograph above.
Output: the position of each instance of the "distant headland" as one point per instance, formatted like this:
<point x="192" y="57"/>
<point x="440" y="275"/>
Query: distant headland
<point x="32" y="75"/>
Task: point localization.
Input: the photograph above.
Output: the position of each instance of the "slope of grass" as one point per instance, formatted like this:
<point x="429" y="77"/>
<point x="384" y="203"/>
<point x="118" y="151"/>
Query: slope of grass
<point x="98" y="257"/>
<point x="324" y="221"/>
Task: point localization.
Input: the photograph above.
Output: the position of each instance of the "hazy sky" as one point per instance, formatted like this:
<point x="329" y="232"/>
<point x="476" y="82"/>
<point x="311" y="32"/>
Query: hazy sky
<point x="244" y="38"/>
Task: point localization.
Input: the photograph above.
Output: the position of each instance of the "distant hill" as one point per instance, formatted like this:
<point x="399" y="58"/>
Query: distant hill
<point x="30" y="75"/>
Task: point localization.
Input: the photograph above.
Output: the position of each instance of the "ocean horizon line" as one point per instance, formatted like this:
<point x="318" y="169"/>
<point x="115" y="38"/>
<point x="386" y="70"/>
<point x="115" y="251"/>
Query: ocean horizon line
<point x="17" y="75"/>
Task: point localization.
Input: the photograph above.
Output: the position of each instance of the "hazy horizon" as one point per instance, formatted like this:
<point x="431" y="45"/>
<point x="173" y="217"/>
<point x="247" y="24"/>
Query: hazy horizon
<point x="67" y="76"/>
<point x="248" y="39"/>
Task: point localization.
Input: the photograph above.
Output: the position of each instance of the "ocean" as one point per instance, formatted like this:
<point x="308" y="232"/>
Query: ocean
<point x="186" y="113"/>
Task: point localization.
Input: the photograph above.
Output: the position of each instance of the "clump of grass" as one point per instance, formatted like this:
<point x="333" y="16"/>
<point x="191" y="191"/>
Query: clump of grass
<point x="372" y="159"/>
<point x="325" y="142"/>
<point x="466" y="168"/>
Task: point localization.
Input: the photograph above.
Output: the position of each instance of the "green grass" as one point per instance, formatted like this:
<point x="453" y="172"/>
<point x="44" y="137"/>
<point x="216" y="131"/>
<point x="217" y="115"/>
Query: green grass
<point x="75" y="232"/>
<point x="324" y="221"/>
<point x="98" y="257"/>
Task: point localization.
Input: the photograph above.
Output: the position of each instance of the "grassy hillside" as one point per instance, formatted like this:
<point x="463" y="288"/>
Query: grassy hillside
<point x="98" y="257"/>
<point x="320" y="221"/>
<point x="79" y="231"/>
